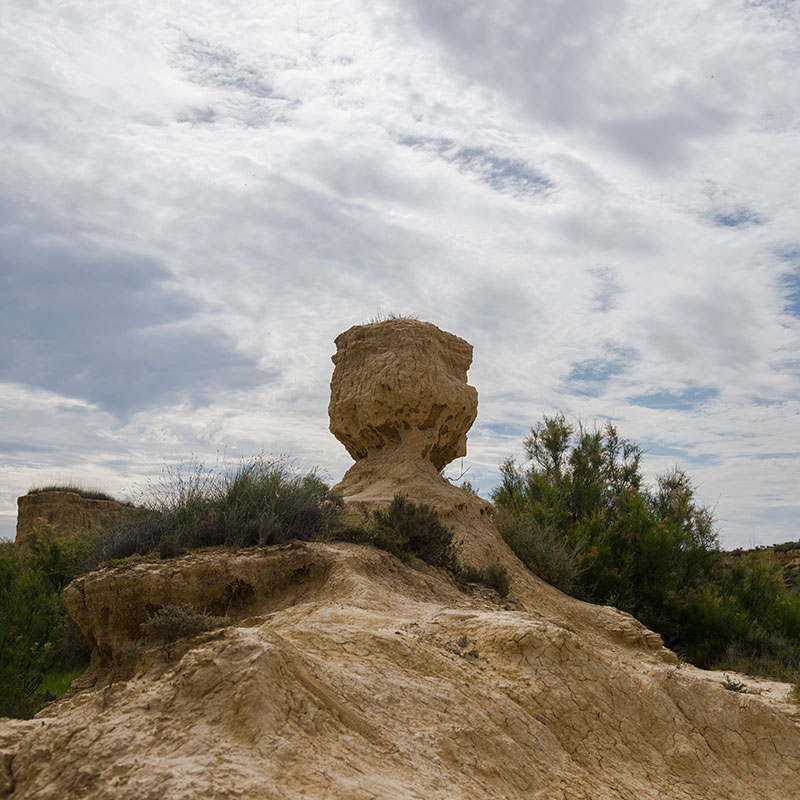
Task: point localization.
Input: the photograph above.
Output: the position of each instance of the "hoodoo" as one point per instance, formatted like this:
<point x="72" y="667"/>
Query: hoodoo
<point x="401" y="405"/>
<point x="399" y="391"/>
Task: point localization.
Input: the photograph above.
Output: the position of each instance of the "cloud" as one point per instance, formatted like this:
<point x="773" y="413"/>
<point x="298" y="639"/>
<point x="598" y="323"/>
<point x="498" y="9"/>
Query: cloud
<point x="107" y="327"/>
<point x="600" y="197"/>
<point x="589" y="68"/>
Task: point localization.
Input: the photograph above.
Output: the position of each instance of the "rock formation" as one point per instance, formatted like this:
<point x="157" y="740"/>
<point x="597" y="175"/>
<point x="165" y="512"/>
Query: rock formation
<point x="63" y="514"/>
<point x="401" y="405"/>
<point x="399" y="390"/>
<point x="345" y="673"/>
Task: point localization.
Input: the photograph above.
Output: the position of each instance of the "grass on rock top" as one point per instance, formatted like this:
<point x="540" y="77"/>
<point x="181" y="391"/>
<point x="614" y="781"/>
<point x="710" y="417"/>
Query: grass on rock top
<point x="76" y="488"/>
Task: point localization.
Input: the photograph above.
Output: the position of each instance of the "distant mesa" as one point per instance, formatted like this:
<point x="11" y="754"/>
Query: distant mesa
<point x="63" y="512"/>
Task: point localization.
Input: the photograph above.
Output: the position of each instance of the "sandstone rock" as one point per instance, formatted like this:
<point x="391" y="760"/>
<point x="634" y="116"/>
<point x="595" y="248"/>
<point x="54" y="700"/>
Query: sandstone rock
<point x="401" y="405"/>
<point x="347" y="674"/>
<point x="400" y="388"/>
<point x="63" y="514"/>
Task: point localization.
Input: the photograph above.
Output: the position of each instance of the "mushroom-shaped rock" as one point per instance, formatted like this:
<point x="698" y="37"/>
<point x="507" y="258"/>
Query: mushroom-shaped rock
<point x="401" y="405"/>
<point x="400" y="386"/>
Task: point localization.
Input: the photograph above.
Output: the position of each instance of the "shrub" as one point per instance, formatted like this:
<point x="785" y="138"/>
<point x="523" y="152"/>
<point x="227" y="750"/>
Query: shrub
<point x="405" y="529"/>
<point x="542" y="549"/>
<point x="495" y="576"/>
<point x="579" y="515"/>
<point x="419" y="531"/>
<point x="498" y="578"/>
<point x="172" y="622"/>
<point x="260" y="503"/>
<point x="36" y="634"/>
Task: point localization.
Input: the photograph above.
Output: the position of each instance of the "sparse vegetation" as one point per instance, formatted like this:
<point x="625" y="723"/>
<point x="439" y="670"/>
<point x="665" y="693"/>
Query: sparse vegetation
<point x="406" y="529"/>
<point x="543" y="549"/>
<point x="380" y="316"/>
<point x="259" y="503"/>
<point x="495" y="576"/>
<point x="90" y="494"/>
<point x="172" y="622"/>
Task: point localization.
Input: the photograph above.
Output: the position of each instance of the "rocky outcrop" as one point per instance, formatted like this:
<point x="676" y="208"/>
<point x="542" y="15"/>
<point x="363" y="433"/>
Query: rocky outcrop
<point x="401" y="405"/>
<point x="64" y="514"/>
<point x="347" y="674"/>
<point x="399" y="389"/>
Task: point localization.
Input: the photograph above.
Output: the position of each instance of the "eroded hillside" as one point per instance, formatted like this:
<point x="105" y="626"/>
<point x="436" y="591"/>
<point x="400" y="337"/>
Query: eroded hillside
<point x="348" y="674"/>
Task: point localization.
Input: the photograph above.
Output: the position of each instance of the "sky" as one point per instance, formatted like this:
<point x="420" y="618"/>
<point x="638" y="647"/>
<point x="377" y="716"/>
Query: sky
<point x="600" y="195"/>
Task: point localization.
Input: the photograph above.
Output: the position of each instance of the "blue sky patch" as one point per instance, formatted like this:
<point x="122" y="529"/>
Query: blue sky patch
<point x="502" y="174"/>
<point x="589" y="378"/>
<point x="506" y="429"/>
<point x="791" y="287"/>
<point x="670" y="401"/>
<point x="737" y="218"/>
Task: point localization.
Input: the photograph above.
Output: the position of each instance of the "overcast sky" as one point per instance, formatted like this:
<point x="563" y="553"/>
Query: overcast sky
<point x="600" y="195"/>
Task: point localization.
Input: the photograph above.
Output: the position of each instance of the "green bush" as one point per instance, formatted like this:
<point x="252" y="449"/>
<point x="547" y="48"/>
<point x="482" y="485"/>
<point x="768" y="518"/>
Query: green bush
<point x="543" y="549"/>
<point x="416" y="529"/>
<point x="260" y="503"/>
<point x="37" y="637"/>
<point x="405" y="529"/>
<point x="498" y="578"/>
<point x="579" y="515"/>
<point x="495" y="576"/>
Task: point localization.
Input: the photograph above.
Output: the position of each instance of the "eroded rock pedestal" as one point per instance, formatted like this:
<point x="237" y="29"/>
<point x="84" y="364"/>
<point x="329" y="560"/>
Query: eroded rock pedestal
<point x="401" y="405"/>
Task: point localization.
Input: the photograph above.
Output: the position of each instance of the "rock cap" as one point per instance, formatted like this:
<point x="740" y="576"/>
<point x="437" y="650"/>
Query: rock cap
<point x="401" y="385"/>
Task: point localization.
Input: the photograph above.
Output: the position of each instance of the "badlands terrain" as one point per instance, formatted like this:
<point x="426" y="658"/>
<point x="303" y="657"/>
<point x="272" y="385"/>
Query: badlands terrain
<point x="345" y="673"/>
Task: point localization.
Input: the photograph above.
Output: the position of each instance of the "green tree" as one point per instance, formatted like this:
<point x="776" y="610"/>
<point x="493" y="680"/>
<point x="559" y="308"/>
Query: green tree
<point x="36" y="633"/>
<point x="579" y="514"/>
